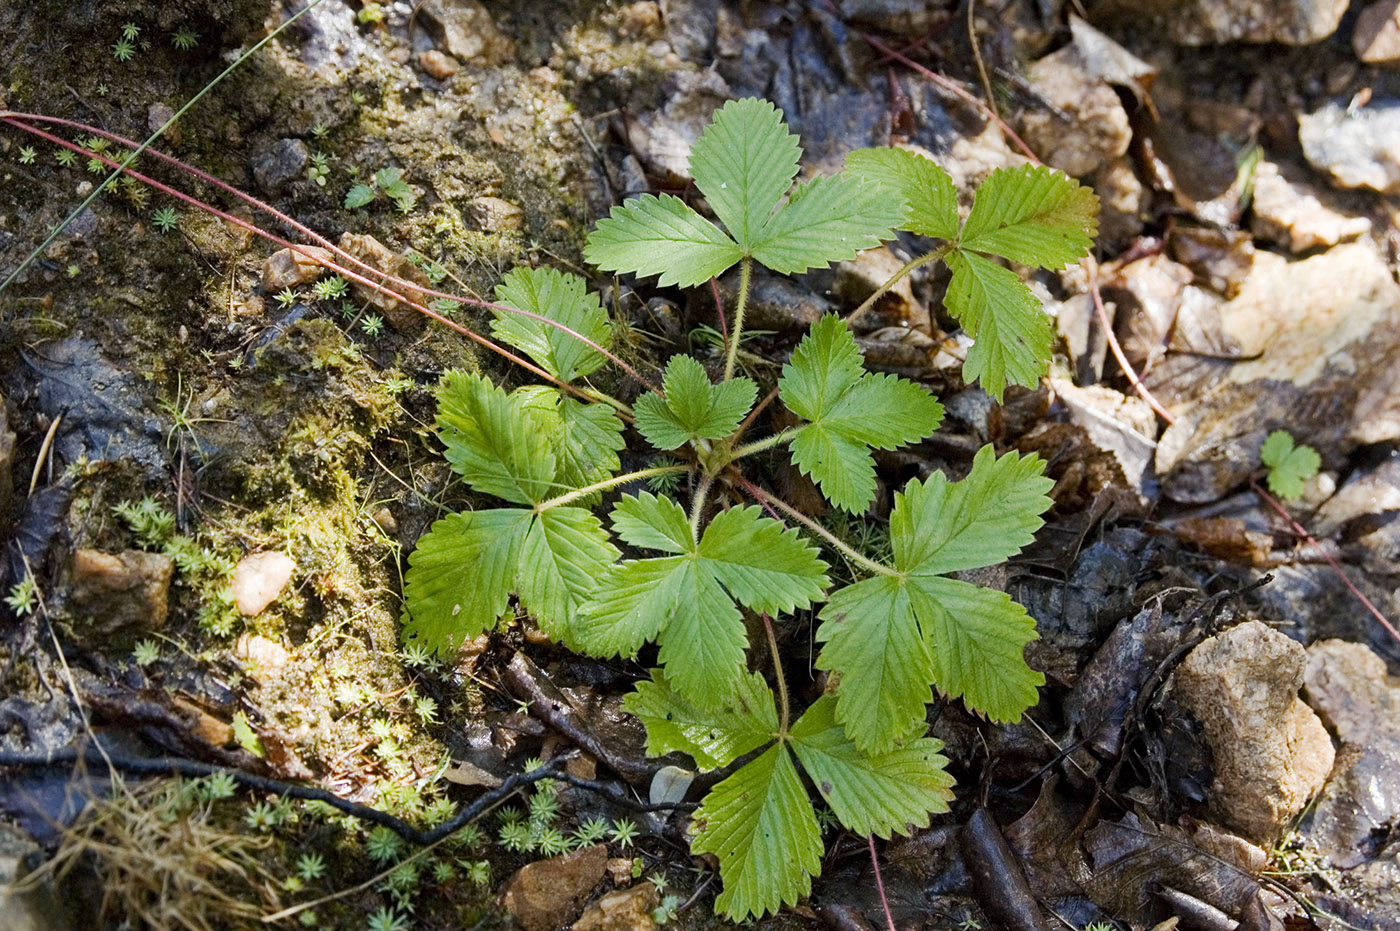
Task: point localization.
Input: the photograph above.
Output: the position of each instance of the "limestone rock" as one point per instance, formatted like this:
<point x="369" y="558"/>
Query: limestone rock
<point x="621" y="910"/>
<point x="1348" y="686"/>
<point x="262" y="652"/>
<point x="1271" y="754"/>
<point x="288" y="268"/>
<point x="1322" y="340"/>
<point x="1376" y="37"/>
<point x="1097" y="130"/>
<point x="1212" y="22"/>
<point x="465" y="27"/>
<point x="258" y="579"/>
<point x="438" y="64"/>
<point x="374" y="253"/>
<point x="546" y="894"/>
<point x="121" y="590"/>
<point x="1292" y="215"/>
<point x="1356" y="147"/>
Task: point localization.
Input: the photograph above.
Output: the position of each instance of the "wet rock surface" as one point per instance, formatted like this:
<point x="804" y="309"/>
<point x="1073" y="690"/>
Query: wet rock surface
<point x="1270" y="752"/>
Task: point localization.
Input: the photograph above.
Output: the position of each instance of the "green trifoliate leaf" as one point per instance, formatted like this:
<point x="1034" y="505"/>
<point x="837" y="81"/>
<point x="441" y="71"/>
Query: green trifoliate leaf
<point x="495" y="441"/>
<point x="850" y="411"/>
<point x="564" y="554"/>
<point x="872" y="636"/>
<point x="977" y="637"/>
<point x="920" y="182"/>
<point x="358" y="196"/>
<point x="744" y="163"/>
<point x="940" y="526"/>
<point x="661" y="236"/>
<point x="1289" y="465"/>
<point x="761" y="825"/>
<point x="828" y="220"/>
<point x="1033" y="215"/>
<point x="693" y="407"/>
<point x="633" y="602"/>
<point x="891" y="637"/>
<point x="460" y="577"/>
<point x="564" y="299"/>
<point x="880" y="794"/>
<point x="765" y="566"/>
<point x="713" y="732"/>
<point x="1012" y="332"/>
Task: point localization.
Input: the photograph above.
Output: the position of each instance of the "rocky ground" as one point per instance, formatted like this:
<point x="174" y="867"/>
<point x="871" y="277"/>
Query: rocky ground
<point x="212" y="467"/>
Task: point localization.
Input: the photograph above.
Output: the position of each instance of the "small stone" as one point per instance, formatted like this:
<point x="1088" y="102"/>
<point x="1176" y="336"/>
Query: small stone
<point x="1376" y="38"/>
<point x="640" y="19"/>
<point x="546" y="894"/>
<point x="288" y="268"/>
<point x="157" y="115"/>
<point x="620" y="870"/>
<point x="262" y="652"/>
<point x="384" y="519"/>
<point x="282" y="163"/>
<point x="495" y="215"/>
<point x="465" y="27"/>
<point x="1270" y="752"/>
<point x="7" y="459"/>
<point x="1355" y="146"/>
<point x="122" y="590"/>
<point x="258" y="579"/>
<point x="1096" y="131"/>
<point x="622" y="910"/>
<point x="1292" y="215"/>
<point x="438" y="64"/>
<point x="373" y="252"/>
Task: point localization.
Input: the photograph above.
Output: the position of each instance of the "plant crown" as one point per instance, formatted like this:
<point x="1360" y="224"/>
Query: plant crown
<point x="689" y="574"/>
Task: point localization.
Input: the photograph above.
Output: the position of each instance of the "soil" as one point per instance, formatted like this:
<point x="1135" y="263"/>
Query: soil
<point x="141" y="362"/>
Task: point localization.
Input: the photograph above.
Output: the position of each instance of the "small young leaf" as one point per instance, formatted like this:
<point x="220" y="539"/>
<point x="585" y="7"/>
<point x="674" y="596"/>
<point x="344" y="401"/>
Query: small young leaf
<point x="760" y="823"/>
<point x="494" y="440"/>
<point x="921" y="182"/>
<point x="1013" y="335"/>
<point x="850" y="411"/>
<point x="561" y="560"/>
<point x="744" y="163"/>
<point x="714" y="733"/>
<point x="358" y="196"/>
<point x="1033" y="215"/>
<point x="693" y="407"/>
<point x="661" y="236"/>
<point x="559" y="297"/>
<point x="827" y="220"/>
<point x="1289" y="465"/>
<point x="881" y="794"/>
<point x="460" y="577"/>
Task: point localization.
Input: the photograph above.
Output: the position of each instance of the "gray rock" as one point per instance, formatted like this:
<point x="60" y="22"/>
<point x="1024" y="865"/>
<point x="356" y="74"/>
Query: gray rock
<point x="1376" y="37"/>
<point x="1212" y="22"/>
<point x="1355" y="147"/>
<point x="1271" y="754"/>
<point x="1293" y="215"/>
<point x="662" y="136"/>
<point x="280" y="164"/>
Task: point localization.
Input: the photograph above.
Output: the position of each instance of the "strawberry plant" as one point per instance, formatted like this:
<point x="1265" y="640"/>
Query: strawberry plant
<point x="694" y="565"/>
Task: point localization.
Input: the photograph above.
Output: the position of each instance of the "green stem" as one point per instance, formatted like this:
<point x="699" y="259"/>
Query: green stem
<point x="745" y="273"/>
<point x="604" y="398"/>
<point x="935" y="256"/>
<point x="840" y="545"/>
<point x="607" y="483"/>
<point x="698" y="507"/>
<point x="778" y="674"/>
<point x="758" y="446"/>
